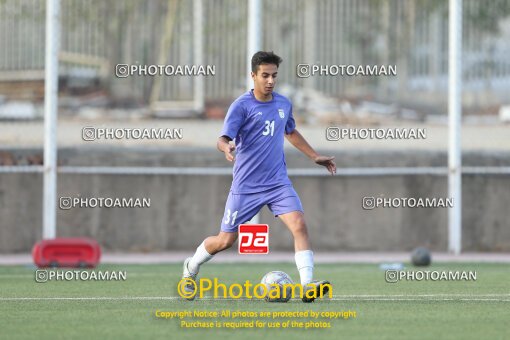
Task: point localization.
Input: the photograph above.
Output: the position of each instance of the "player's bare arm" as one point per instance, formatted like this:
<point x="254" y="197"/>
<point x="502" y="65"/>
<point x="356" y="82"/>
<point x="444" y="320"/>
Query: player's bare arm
<point x="300" y="143"/>
<point x="226" y="147"/>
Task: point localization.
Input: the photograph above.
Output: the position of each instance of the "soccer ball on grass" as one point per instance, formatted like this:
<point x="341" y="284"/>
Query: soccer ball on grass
<point x="274" y="282"/>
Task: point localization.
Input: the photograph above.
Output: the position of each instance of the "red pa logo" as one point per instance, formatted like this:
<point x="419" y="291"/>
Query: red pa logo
<point x="253" y="239"/>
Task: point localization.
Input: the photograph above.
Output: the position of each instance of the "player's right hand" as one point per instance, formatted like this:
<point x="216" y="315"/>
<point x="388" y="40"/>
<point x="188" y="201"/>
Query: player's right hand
<point x="228" y="152"/>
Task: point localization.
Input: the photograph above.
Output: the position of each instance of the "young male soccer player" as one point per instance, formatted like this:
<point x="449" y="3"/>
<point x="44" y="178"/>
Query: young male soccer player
<point x="258" y="121"/>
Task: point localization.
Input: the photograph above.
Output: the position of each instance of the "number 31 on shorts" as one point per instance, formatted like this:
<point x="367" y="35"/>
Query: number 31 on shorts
<point x="227" y="218"/>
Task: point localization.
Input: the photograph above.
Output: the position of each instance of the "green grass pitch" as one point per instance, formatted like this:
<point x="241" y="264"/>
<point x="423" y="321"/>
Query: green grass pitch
<point x="126" y="309"/>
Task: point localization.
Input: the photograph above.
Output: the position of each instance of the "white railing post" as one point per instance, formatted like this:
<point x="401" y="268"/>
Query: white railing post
<point x="50" y="118"/>
<point x="455" y="114"/>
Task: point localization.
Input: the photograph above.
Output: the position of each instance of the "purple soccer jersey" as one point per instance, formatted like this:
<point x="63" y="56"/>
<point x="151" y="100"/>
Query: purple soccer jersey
<point x="258" y="129"/>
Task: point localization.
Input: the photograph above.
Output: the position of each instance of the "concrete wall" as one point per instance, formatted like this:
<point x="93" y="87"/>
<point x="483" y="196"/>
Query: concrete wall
<point x="185" y="209"/>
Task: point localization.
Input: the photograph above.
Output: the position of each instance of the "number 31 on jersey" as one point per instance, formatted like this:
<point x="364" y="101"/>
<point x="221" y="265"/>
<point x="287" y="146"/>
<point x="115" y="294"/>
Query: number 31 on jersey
<point x="269" y="128"/>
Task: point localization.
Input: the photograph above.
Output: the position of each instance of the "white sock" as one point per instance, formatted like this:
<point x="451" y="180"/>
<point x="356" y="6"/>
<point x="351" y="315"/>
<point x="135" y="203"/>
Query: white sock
<point x="201" y="256"/>
<point x="304" y="263"/>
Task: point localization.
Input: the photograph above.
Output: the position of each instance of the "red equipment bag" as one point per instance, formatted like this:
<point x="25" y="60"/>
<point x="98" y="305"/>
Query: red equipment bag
<point x="67" y="252"/>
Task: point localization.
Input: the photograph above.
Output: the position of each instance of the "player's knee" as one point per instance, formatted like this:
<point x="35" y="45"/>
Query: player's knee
<point x="299" y="224"/>
<point x="302" y="232"/>
<point x="227" y="242"/>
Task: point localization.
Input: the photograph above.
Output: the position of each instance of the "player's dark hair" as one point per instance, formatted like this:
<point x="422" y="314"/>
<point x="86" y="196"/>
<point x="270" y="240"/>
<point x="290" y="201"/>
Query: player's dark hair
<point x="262" y="57"/>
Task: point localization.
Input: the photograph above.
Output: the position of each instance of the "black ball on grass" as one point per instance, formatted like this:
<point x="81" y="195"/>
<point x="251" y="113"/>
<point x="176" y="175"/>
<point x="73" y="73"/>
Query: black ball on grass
<point x="420" y="257"/>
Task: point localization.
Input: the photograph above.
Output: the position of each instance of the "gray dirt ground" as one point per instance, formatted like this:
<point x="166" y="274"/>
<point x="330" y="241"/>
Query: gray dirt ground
<point x="232" y="256"/>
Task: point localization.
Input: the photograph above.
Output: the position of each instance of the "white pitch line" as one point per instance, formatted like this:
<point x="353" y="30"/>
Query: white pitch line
<point x="427" y="297"/>
<point x="423" y="295"/>
<point x="415" y="299"/>
<point x="129" y="298"/>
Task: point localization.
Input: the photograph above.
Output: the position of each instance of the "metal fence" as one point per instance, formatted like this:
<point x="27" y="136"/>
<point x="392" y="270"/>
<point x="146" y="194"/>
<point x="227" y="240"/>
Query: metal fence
<point x="413" y="34"/>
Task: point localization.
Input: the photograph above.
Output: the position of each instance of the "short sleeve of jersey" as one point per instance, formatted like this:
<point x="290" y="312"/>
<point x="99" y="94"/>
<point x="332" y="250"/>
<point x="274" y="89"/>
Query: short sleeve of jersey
<point x="234" y="120"/>
<point x="291" y="124"/>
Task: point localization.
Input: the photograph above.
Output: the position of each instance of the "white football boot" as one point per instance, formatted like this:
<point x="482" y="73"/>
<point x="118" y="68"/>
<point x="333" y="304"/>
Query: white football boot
<point x="317" y="286"/>
<point x="187" y="274"/>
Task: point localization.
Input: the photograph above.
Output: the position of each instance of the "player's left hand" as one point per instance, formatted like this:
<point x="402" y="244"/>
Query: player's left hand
<point x="328" y="162"/>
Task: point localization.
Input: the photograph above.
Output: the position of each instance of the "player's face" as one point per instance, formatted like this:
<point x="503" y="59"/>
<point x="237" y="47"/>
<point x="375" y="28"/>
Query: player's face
<point x="265" y="79"/>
